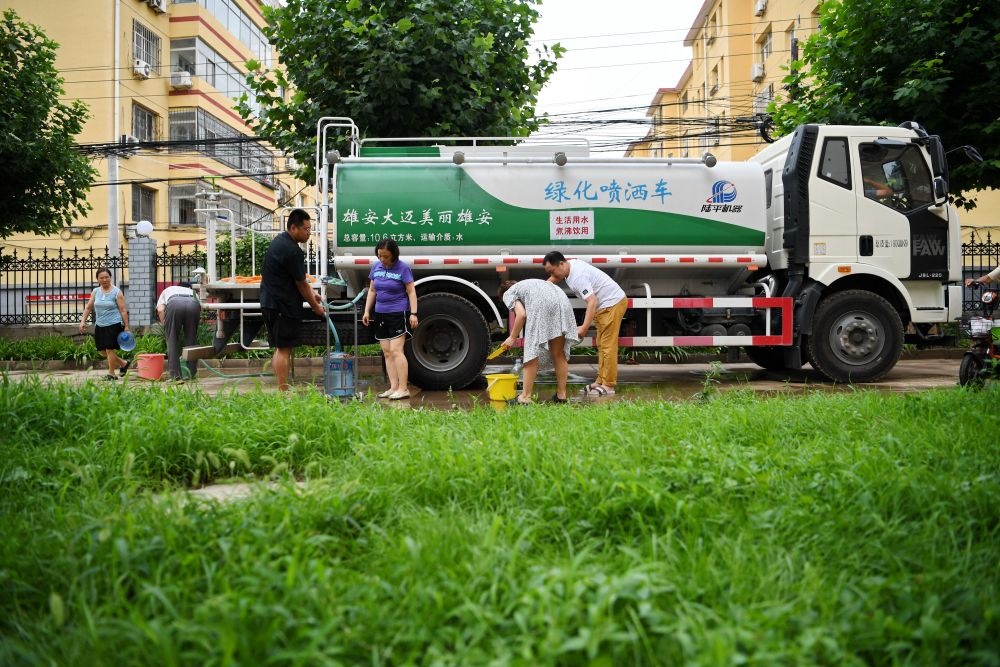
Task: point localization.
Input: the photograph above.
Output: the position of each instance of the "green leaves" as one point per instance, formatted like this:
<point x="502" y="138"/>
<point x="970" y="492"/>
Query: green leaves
<point x="44" y="181"/>
<point x="889" y="61"/>
<point x="402" y="68"/>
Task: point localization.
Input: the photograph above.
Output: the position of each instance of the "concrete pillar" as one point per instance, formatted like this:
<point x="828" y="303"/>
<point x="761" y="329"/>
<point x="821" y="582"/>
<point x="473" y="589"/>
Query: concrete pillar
<point x="141" y="294"/>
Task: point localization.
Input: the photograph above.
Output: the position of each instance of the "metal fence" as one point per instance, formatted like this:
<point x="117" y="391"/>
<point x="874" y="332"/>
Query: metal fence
<point x="980" y="255"/>
<point x="53" y="286"/>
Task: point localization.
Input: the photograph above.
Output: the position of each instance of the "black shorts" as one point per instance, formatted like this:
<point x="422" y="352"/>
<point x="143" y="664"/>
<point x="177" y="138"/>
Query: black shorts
<point x="106" y="338"/>
<point x="391" y="325"/>
<point x="282" y="331"/>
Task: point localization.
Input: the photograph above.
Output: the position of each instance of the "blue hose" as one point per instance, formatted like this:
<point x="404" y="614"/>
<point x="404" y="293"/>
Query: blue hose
<point x="350" y="304"/>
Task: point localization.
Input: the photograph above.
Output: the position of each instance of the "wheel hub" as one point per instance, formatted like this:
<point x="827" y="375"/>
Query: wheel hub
<point x="856" y="339"/>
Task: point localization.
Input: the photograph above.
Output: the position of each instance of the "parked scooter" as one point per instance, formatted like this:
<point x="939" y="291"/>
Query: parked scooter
<point x="982" y="360"/>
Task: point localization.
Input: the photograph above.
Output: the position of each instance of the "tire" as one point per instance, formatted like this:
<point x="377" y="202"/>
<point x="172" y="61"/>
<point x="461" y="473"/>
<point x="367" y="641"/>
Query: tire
<point x="857" y="336"/>
<point x="970" y="372"/>
<point x="449" y="346"/>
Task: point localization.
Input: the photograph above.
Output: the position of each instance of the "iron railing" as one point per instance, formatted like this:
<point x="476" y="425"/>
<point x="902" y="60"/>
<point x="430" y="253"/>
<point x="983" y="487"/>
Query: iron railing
<point x="980" y="255"/>
<point x="52" y="286"/>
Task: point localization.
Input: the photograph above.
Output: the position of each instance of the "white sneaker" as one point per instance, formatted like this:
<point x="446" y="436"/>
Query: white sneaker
<point x="385" y="394"/>
<point x="396" y="395"/>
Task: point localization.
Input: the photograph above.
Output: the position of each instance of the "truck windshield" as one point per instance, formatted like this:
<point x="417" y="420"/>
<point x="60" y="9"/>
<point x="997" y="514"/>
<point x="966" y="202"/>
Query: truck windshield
<point x="896" y="177"/>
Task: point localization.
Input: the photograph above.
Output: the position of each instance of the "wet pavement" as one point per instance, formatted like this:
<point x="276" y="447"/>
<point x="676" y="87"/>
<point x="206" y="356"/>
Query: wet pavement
<point x="664" y="382"/>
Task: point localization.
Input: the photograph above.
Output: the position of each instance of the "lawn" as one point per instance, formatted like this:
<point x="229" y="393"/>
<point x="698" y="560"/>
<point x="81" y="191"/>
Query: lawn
<point x="836" y="529"/>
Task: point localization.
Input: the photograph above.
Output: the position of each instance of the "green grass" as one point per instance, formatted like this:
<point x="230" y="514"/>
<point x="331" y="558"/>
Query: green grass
<point x="857" y="528"/>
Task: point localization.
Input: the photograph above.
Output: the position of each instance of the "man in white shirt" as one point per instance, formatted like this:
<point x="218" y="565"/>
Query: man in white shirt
<point x="606" y="306"/>
<point x="178" y="308"/>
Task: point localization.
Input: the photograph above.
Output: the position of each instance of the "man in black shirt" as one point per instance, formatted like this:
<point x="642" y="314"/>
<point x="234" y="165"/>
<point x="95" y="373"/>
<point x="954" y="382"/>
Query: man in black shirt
<point x="283" y="288"/>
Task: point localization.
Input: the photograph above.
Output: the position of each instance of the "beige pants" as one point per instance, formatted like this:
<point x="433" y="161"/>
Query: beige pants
<point x="609" y="322"/>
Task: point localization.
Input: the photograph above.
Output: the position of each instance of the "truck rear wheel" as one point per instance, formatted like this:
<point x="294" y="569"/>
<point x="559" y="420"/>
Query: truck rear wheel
<point x="449" y="346"/>
<point x="857" y="336"/>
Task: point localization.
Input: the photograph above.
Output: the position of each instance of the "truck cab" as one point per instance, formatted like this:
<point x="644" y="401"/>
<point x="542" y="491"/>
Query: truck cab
<point x="861" y="212"/>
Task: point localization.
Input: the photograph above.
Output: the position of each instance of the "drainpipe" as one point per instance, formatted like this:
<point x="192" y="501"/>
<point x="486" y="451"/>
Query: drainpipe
<point x="114" y="249"/>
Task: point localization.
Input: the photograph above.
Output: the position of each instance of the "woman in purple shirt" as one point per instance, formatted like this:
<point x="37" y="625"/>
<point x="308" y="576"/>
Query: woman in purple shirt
<point x="391" y="291"/>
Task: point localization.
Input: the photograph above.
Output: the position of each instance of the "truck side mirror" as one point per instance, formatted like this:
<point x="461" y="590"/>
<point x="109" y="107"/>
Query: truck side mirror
<point x="940" y="191"/>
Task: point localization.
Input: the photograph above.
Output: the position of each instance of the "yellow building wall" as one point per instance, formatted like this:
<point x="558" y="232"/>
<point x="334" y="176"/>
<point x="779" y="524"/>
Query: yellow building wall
<point x="86" y="60"/>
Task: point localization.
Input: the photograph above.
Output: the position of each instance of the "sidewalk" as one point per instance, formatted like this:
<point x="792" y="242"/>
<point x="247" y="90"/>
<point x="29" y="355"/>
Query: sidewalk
<point x="667" y="381"/>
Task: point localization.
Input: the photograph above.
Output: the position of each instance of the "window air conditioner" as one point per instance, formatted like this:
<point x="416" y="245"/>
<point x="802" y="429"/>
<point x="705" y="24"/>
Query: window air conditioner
<point x="760" y="8"/>
<point x="129" y="145"/>
<point x="757" y="72"/>
<point x="141" y="68"/>
<point x="159" y="6"/>
<point x="180" y="80"/>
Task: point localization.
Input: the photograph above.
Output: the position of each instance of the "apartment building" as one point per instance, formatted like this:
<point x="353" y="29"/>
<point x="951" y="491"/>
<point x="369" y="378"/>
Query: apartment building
<point x="161" y="79"/>
<point x="741" y="50"/>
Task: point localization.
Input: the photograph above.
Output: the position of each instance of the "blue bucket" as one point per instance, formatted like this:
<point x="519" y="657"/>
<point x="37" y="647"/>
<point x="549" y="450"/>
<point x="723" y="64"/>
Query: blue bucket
<point x="126" y="341"/>
<point x="338" y="374"/>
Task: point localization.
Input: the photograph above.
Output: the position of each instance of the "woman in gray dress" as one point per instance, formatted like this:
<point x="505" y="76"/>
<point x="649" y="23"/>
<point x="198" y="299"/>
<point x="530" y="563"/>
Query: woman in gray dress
<point x="541" y="309"/>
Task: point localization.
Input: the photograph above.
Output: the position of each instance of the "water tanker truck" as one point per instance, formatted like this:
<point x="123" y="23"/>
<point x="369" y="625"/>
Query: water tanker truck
<point x="833" y="246"/>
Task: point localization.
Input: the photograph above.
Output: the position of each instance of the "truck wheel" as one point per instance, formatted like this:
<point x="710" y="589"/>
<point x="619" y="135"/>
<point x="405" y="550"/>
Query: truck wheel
<point x="969" y="373"/>
<point x="449" y="346"/>
<point x="857" y="337"/>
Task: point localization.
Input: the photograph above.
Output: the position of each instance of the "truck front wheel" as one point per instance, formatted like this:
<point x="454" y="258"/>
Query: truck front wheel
<point x="857" y="336"/>
<point x="449" y="346"/>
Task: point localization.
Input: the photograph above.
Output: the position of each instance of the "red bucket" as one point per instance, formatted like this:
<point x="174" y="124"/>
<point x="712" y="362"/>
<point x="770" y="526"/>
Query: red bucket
<point x="150" y="366"/>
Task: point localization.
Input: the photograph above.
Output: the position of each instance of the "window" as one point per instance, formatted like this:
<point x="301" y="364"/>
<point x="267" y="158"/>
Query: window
<point x="833" y="162"/>
<point x="714" y="78"/>
<point x="146" y="46"/>
<point x="237" y="22"/>
<point x="684" y="102"/>
<point x="209" y="135"/>
<point x="144" y="123"/>
<point x="182" y="56"/>
<point x="143" y="203"/>
<point x="182" y="204"/>
<point x="184" y="200"/>
<point x="896" y="176"/>
<point x="765" y="45"/>
<point x="199" y="59"/>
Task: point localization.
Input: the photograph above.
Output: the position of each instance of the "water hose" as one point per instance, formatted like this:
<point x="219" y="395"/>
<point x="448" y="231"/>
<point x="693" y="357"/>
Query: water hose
<point x="336" y="337"/>
<point x="350" y="304"/>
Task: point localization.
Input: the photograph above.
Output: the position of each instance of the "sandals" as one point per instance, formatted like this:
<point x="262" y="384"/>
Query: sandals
<point x="124" y="369"/>
<point x="110" y="377"/>
<point x="385" y="394"/>
<point x="556" y="399"/>
<point x="517" y="401"/>
<point x="598" y="390"/>
<point x="396" y="395"/>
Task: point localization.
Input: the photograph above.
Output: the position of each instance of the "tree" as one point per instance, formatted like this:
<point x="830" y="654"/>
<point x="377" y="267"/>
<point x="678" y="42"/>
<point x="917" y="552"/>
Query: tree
<point x="399" y="68"/>
<point x="44" y="180"/>
<point x="887" y="61"/>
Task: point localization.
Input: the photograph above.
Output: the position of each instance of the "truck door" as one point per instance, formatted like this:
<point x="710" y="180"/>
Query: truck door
<point x="899" y="229"/>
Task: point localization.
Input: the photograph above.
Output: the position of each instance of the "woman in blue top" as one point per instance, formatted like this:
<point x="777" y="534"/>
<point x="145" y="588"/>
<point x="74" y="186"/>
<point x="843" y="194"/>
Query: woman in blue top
<point x="110" y="319"/>
<point x="391" y="291"/>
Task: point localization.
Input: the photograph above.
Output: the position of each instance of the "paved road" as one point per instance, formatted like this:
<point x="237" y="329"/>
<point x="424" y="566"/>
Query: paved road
<point x="639" y="381"/>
